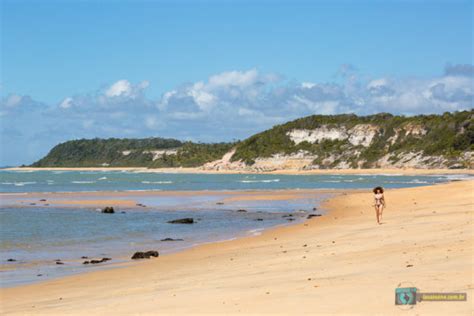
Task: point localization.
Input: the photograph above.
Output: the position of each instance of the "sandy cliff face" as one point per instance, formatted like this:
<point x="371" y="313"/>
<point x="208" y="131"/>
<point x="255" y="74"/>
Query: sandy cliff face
<point x="357" y="139"/>
<point x="361" y="134"/>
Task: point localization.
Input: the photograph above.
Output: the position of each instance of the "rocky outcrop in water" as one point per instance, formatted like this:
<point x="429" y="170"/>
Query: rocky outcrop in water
<point x="108" y="210"/>
<point x="94" y="261"/>
<point x="187" y="220"/>
<point x="145" y="255"/>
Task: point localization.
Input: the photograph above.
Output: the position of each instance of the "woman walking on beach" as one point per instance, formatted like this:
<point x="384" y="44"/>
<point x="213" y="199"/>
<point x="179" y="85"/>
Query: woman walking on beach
<point x="379" y="203"/>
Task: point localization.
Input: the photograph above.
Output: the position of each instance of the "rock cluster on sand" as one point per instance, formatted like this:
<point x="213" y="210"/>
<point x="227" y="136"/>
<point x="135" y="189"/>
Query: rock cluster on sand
<point x="145" y="255"/>
<point x="108" y="210"/>
<point x="187" y="220"/>
<point x="313" y="215"/>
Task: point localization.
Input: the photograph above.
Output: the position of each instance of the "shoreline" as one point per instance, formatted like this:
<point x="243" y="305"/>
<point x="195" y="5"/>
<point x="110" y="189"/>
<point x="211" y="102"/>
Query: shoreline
<point x="284" y="202"/>
<point x="198" y="170"/>
<point x="300" y="268"/>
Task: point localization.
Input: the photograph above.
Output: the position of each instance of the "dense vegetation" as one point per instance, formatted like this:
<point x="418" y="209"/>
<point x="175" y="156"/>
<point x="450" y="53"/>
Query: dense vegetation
<point x="138" y="153"/>
<point x="447" y="135"/>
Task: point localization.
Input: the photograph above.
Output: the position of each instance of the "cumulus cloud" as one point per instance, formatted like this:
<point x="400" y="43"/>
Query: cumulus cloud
<point x="17" y="101"/>
<point x="121" y="93"/>
<point x="227" y="105"/>
<point x="123" y="88"/>
<point x="66" y="103"/>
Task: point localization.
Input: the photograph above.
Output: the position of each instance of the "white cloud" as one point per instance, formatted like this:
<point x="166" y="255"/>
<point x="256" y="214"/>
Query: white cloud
<point x="13" y="100"/>
<point x="234" y="78"/>
<point x="228" y="105"/>
<point x="377" y="83"/>
<point x="123" y="88"/>
<point x="119" y="88"/>
<point x="66" y="103"/>
<point x="307" y="85"/>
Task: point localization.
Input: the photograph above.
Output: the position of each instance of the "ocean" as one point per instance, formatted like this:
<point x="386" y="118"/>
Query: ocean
<point x="81" y="181"/>
<point x="35" y="236"/>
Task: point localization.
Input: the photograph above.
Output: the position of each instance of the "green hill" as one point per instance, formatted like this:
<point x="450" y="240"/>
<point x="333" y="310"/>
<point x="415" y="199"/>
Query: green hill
<point x="317" y="141"/>
<point x="362" y="141"/>
<point x="149" y="152"/>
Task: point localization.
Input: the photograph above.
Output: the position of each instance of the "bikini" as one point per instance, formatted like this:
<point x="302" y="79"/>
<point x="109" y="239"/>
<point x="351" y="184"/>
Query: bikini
<point x="378" y="199"/>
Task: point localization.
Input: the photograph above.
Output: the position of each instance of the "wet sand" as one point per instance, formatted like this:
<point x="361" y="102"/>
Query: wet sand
<point x="342" y="262"/>
<point x="131" y="199"/>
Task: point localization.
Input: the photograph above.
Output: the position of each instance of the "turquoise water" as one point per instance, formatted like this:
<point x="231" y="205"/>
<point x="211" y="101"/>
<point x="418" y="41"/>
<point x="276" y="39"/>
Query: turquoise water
<point x="72" y="181"/>
<point x="36" y="236"/>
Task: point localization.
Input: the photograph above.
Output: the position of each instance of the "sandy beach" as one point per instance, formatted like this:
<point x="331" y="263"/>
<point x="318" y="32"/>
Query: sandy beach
<point x="341" y="263"/>
<point x="371" y="171"/>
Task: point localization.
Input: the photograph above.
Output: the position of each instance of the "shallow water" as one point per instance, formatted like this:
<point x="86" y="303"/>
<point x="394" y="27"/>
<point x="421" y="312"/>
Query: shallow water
<point x="35" y="237"/>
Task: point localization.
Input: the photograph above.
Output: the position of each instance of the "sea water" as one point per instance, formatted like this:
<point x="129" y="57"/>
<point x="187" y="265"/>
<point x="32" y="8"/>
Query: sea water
<point x="36" y="236"/>
<point x="76" y="181"/>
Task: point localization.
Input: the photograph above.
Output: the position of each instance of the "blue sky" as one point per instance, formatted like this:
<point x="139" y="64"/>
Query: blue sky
<point x="219" y="70"/>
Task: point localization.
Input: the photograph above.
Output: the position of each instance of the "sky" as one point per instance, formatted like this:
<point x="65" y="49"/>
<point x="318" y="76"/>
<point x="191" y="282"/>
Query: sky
<point x="215" y="71"/>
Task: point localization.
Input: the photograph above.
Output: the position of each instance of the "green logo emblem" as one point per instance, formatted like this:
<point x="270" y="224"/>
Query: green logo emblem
<point x="405" y="296"/>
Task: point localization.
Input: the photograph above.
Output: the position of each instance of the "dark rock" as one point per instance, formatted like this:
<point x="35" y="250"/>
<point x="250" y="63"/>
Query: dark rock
<point x="32" y="203"/>
<point x="259" y="219"/>
<point x="95" y="261"/>
<point x="84" y="257"/>
<point x="171" y="239"/>
<point x="220" y="203"/>
<point x="139" y="255"/>
<point x="38" y="275"/>
<point x="108" y="210"/>
<point x="145" y="255"/>
<point x="152" y="253"/>
<point x="43" y="200"/>
<point x="141" y="205"/>
<point x="242" y="211"/>
<point x="315" y="208"/>
<point x="290" y="219"/>
<point x="187" y="220"/>
<point x="59" y="262"/>
<point x="313" y="215"/>
<point x="11" y="260"/>
<point x="287" y="215"/>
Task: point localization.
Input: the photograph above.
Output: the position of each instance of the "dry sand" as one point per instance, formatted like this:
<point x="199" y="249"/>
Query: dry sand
<point x="341" y="263"/>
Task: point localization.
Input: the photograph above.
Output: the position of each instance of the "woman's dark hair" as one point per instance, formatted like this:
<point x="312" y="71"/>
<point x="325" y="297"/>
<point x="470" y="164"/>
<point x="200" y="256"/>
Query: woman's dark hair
<point x="377" y="189"/>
